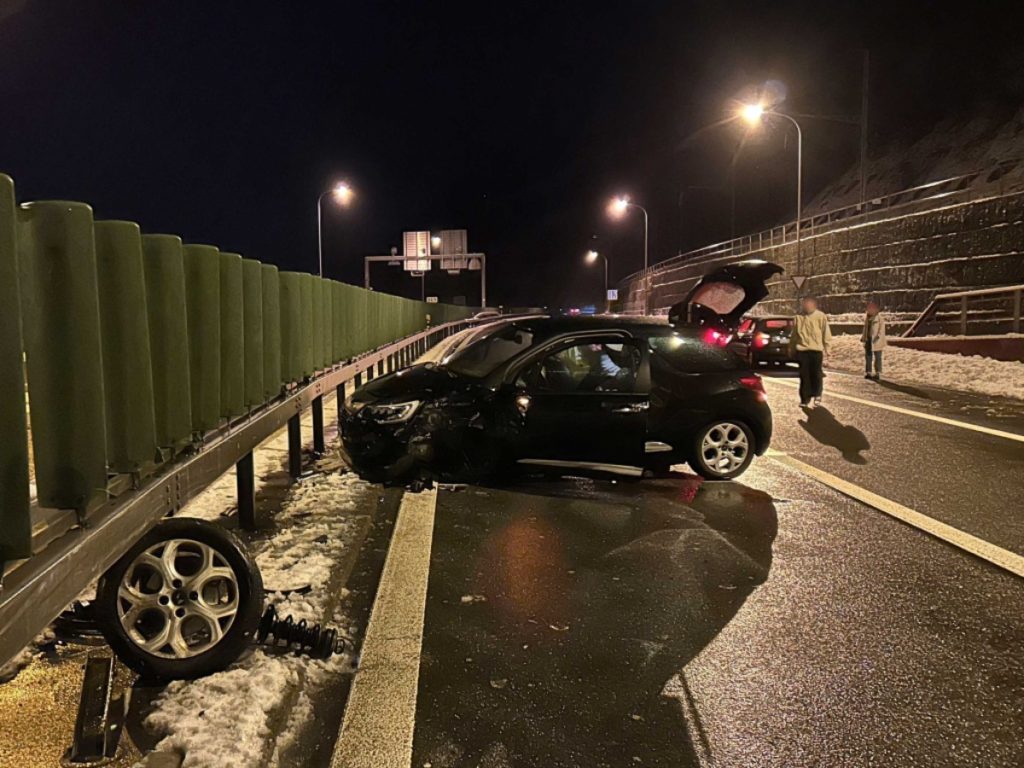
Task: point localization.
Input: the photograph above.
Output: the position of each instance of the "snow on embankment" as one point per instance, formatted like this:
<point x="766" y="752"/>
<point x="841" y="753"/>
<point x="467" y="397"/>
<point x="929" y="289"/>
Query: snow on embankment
<point x="981" y="375"/>
<point x="234" y="717"/>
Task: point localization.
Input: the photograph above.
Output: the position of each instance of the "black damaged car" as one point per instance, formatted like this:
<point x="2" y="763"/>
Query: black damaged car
<point x="603" y="394"/>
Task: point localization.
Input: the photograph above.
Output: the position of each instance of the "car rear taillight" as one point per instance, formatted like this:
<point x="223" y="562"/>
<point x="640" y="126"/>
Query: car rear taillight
<point x="760" y="339"/>
<point x="719" y="339"/>
<point x="754" y="382"/>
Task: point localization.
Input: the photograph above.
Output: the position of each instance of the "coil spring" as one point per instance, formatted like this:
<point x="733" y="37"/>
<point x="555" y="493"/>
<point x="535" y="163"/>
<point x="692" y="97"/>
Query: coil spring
<point x="315" y="641"/>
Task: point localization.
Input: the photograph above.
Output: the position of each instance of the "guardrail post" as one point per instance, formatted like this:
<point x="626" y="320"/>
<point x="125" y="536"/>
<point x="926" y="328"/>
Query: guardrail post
<point x="317" y="406"/>
<point x="339" y="392"/>
<point x="963" y="315"/>
<point x="168" y="339"/>
<point x="294" y="447"/>
<point x="127" y="368"/>
<point x="61" y="316"/>
<point x="15" y="523"/>
<point x="232" y="336"/>
<point x="245" y="483"/>
<point x="202" y="294"/>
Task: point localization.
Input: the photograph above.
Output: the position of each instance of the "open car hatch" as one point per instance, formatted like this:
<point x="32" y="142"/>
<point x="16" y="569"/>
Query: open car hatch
<point x="724" y="295"/>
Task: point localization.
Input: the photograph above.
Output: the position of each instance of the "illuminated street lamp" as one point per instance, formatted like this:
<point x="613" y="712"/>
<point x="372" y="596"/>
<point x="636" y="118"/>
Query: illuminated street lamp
<point x="342" y="193"/>
<point x="618" y="207"/>
<point x="590" y="258"/>
<point x="754" y="115"/>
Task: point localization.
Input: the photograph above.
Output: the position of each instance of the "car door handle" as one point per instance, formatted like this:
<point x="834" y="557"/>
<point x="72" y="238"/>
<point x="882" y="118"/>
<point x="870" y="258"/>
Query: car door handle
<point x="628" y="408"/>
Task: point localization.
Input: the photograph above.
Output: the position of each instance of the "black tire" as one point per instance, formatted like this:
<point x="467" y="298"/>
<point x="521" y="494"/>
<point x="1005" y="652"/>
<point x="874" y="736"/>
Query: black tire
<point x="198" y="537"/>
<point x="700" y="464"/>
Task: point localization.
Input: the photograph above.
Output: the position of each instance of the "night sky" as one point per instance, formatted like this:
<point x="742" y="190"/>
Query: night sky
<point x="223" y="121"/>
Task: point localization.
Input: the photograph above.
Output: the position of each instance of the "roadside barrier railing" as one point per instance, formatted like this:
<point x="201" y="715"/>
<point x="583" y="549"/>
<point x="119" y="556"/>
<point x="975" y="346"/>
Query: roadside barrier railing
<point x="139" y="369"/>
<point x="981" y="312"/>
<point x="1001" y="178"/>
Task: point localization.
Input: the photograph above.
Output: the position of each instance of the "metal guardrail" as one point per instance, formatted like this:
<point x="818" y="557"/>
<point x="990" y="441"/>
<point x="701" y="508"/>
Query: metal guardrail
<point x="984" y="311"/>
<point x="991" y="181"/>
<point x="74" y="552"/>
<point x="142" y="358"/>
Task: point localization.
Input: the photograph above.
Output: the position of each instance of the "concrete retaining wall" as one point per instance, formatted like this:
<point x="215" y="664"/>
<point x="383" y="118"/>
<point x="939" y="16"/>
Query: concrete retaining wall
<point x="903" y="260"/>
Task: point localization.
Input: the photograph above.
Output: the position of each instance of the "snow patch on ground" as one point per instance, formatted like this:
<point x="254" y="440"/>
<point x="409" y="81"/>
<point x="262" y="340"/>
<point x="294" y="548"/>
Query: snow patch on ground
<point x="981" y="375"/>
<point x="232" y="717"/>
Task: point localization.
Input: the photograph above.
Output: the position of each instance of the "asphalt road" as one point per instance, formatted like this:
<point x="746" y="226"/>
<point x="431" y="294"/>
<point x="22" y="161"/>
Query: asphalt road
<point x="767" y="622"/>
<point x="968" y="479"/>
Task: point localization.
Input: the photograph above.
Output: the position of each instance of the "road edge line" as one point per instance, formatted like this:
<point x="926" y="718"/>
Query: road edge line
<point x="380" y="717"/>
<point x="1002" y="558"/>
<point x="918" y="414"/>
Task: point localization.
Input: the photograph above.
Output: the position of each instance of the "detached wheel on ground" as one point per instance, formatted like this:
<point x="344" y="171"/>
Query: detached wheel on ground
<point x="722" y="450"/>
<point x="183" y="602"/>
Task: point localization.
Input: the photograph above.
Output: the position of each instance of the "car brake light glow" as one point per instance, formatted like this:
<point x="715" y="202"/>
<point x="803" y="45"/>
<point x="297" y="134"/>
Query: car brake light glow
<point x="754" y="382"/>
<point x="717" y="338"/>
<point x="760" y="339"/>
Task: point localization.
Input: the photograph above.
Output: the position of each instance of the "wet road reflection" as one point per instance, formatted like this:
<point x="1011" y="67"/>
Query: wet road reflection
<point x="558" y="610"/>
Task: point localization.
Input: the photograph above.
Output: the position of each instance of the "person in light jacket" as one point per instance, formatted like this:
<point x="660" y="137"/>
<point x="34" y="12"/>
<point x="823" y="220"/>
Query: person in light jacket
<point x="873" y="339"/>
<point x="809" y="343"/>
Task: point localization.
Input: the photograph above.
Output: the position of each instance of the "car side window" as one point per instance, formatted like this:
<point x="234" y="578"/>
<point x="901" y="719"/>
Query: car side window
<point x="690" y="355"/>
<point x="585" y="367"/>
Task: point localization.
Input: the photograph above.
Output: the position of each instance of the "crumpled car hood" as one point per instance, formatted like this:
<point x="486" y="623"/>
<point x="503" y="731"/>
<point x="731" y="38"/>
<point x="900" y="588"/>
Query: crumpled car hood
<point x="425" y="381"/>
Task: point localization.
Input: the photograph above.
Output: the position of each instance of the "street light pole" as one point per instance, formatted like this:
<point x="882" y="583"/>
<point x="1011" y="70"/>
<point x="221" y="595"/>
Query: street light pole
<point x="342" y="194"/>
<point x="799" y="181"/>
<point x="320" y="232"/>
<point x="591" y="257"/>
<point x="754" y="114"/>
<point x="646" y="228"/>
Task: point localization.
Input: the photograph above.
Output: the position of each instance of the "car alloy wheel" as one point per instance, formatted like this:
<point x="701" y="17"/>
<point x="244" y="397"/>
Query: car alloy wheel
<point x="724" y="450"/>
<point x="183" y="602"/>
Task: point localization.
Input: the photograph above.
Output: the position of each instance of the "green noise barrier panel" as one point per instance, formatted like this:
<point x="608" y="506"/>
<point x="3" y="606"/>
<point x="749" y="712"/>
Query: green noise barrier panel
<point x="337" y="321"/>
<point x="133" y="346"/>
<point x="202" y="293"/>
<point x="306" y="341"/>
<point x="127" y="370"/>
<point x="232" y="342"/>
<point x="61" y="325"/>
<point x="328" y="325"/>
<point x="252" y="318"/>
<point x="291" y="325"/>
<point x="318" y="324"/>
<point x="15" y="525"/>
<point x="271" y="286"/>
<point x="164" y="265"/>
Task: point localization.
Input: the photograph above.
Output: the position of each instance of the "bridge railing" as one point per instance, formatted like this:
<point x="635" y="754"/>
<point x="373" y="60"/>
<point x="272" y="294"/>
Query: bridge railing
<point x="997" y="179"/>
<point x="137" y="369"/>
<point x="982" y="312"/>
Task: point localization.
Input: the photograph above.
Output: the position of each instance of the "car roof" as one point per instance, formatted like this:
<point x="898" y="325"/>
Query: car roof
<point x="554" y="325"/>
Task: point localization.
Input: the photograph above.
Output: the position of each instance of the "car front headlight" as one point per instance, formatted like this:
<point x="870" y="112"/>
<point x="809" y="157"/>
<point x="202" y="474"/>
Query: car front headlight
<point x="354" y="406"/>
<point x="392" y="413"/>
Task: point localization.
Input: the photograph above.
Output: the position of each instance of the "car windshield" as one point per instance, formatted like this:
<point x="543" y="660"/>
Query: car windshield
<point x="483" y="355"/>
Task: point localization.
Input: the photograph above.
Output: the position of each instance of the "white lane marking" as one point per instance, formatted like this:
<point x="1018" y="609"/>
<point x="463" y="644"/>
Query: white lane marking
<point x="380" y="717"/>
<point x="916" y="414"/>
<point x="998" y="556"/>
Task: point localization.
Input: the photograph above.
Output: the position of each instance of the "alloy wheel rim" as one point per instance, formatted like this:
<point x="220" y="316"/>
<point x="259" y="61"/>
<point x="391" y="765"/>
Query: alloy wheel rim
<point x="178" y="599"/>
<point x="724" y="448"/>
